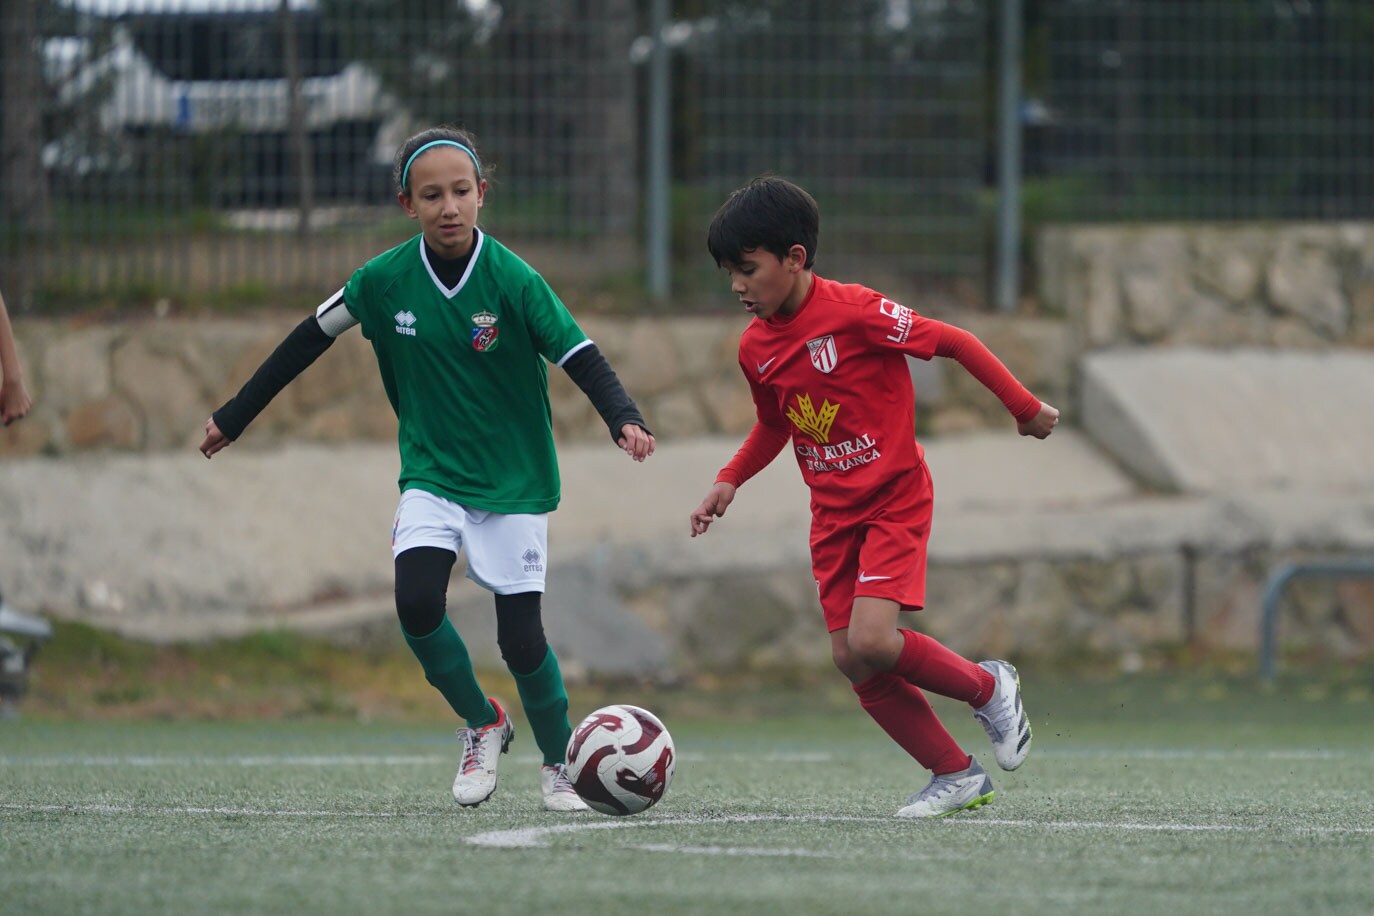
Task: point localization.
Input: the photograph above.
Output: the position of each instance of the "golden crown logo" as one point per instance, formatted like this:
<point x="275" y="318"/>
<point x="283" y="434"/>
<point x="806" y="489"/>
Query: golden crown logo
<point x="816" y="425"/>
<point x="484" y="319"/>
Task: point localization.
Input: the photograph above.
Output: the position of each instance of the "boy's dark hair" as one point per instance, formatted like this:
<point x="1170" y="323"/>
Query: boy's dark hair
<point x="770" y="213"/>
<point x="442" y="132"/>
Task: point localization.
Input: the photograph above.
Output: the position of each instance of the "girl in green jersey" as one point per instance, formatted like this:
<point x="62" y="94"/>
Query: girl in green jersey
<point x="463" y="331"/>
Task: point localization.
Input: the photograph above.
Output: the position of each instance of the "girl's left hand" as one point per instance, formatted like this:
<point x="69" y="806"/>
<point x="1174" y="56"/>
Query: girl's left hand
<point x="636" y="441"/>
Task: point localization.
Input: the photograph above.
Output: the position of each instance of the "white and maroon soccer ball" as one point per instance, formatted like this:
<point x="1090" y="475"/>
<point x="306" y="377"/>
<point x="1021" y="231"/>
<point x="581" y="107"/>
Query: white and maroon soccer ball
<point x="620" y="759"/>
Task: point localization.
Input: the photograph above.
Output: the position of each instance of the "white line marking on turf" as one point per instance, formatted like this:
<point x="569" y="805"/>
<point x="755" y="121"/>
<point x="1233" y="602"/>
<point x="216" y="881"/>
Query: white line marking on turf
<point x="820" y="757"/>
<point x="332" y="760"/>
<point x="738" y="851"/>
<point x="177" y="812"/>
<point x="237" y="760"/>
<point x="536" y="837"/>
<point x="1161" y="828"/>
<point x="533" y="837"/>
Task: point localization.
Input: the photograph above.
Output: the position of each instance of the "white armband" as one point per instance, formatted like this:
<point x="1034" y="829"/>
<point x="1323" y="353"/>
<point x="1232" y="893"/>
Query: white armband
<point x="333" y="316"/>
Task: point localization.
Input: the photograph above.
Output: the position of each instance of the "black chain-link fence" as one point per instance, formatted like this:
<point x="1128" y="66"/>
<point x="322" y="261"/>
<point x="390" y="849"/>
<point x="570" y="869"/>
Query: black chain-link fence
<point x="1210" y="109"/>
<point x="184" y="143"/>
<point x="239" y="151"/>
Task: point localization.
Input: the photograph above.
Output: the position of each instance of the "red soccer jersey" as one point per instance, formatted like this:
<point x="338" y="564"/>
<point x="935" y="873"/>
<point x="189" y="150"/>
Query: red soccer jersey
<point x="832" y="378"/>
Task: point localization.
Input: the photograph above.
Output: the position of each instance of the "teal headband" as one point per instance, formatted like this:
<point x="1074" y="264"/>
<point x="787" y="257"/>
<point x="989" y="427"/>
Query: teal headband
<point x="405" y="173"/>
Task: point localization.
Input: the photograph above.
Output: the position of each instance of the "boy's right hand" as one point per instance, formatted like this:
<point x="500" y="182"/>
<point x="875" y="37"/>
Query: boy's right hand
<point x="712" y="507"/>
<point x="1040" y="425"/>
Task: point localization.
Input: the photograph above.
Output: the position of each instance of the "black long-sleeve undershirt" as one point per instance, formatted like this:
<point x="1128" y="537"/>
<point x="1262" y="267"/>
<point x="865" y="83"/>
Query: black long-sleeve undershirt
<point x="300" y="348"/>
<point x="307" y="341"/>
<point x="598" y="381"/>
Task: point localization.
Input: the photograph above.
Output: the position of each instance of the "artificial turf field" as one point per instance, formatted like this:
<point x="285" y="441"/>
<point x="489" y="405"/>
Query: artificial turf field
<point x="1142" y="795"/>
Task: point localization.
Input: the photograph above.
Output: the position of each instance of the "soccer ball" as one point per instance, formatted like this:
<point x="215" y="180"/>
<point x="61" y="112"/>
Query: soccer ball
<point x="620" y="759"/>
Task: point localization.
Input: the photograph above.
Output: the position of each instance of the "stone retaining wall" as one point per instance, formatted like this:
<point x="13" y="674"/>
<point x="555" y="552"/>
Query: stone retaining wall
<point x="148" y="384"/>
<point x="1127" y="588"/>
<point x="1280" y="285"/>
<point x="1133" y="611"/>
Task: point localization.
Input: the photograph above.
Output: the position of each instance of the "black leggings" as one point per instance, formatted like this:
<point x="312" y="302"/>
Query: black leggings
<point x="422" y="576"/>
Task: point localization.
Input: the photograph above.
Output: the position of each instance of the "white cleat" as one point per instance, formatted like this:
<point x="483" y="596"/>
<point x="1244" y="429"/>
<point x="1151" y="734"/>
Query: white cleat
<point x="1003" y="717"/>
<point x="951" y="793"/>
<point x="482" y="749"/>
<point x="559" y="794"/>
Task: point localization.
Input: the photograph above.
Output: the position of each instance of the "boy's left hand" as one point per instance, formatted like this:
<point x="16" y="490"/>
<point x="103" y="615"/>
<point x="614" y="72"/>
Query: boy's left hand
<point x="637" y="442"/>
<point x="1040" y="425"/>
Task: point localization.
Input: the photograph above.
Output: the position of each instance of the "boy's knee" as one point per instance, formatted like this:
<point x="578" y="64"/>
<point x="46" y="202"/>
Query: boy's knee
<point x="870" y="649"/>
<point x="848" y="665"/>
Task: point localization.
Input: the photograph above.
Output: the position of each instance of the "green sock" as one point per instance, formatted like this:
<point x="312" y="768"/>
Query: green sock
<point x="546" y="708"/>
<point x="449" y="668"/>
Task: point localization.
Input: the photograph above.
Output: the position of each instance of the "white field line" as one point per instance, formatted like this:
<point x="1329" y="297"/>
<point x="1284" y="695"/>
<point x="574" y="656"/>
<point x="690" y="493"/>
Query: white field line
<point x="533" y="837"/>
<point x="1168" y="828"/>
<point x="537" y="837"/>
<point x="741" y="851"/>
<point x="236" y="760"/>
<point x="175" y="811"/>
<point x="818" y="757"/>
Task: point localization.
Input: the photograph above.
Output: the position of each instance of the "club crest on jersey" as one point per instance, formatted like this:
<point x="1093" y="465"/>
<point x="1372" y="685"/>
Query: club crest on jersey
<point x="823" y="355"/>
<point x="485" y="331"/>
<point x="405" y="322"/>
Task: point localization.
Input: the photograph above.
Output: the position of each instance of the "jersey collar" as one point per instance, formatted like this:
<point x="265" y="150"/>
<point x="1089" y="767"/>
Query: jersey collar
<point x="462" y="281"/>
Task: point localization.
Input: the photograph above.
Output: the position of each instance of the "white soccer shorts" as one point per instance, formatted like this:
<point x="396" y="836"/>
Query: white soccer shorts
<point x="506" y="554"/>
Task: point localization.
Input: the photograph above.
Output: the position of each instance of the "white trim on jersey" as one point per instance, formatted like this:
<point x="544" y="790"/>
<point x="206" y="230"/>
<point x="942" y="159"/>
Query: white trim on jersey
<point x="472" y="262"/>
<point x="567" y="356"/>
<point x="333" y="316"/>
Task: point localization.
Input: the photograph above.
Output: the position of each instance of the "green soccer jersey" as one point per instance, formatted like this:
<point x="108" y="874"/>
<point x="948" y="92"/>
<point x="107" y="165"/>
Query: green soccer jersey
<point x="465" y="371"/>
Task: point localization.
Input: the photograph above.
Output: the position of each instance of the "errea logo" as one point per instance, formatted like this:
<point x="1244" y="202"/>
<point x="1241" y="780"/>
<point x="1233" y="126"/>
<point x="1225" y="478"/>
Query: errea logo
<point x="405" y="323"/>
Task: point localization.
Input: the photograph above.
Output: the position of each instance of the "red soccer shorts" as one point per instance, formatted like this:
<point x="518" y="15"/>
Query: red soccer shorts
<point x="879" y="551"/>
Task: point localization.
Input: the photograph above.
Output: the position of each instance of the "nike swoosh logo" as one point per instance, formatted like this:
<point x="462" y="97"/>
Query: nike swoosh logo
<point x="764" y="366"/>
<point x="864" y="578"/>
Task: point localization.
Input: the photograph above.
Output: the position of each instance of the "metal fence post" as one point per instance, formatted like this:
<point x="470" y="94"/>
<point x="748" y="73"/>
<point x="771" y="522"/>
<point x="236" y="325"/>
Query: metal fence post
<point x="658" y="215"/>
<point x="1009" y="158"/>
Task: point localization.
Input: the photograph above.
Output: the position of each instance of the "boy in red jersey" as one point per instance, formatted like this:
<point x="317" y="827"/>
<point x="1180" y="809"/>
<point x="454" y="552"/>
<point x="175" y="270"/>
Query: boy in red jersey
<point x="826" y="364"/>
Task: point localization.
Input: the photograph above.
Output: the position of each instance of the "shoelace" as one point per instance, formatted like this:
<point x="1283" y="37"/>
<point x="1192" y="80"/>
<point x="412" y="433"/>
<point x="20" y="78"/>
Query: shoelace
<point x="1003" y="720"/>
<point x="943" y="787"/>
<point x="472" y="750"/>
<point x="561" y="782"/>
<point x="937" y="787"/>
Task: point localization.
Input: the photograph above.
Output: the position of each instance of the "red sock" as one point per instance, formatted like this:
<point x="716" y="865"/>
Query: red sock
<point x="929" y="665"/>
<point x="905" y="714"/>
